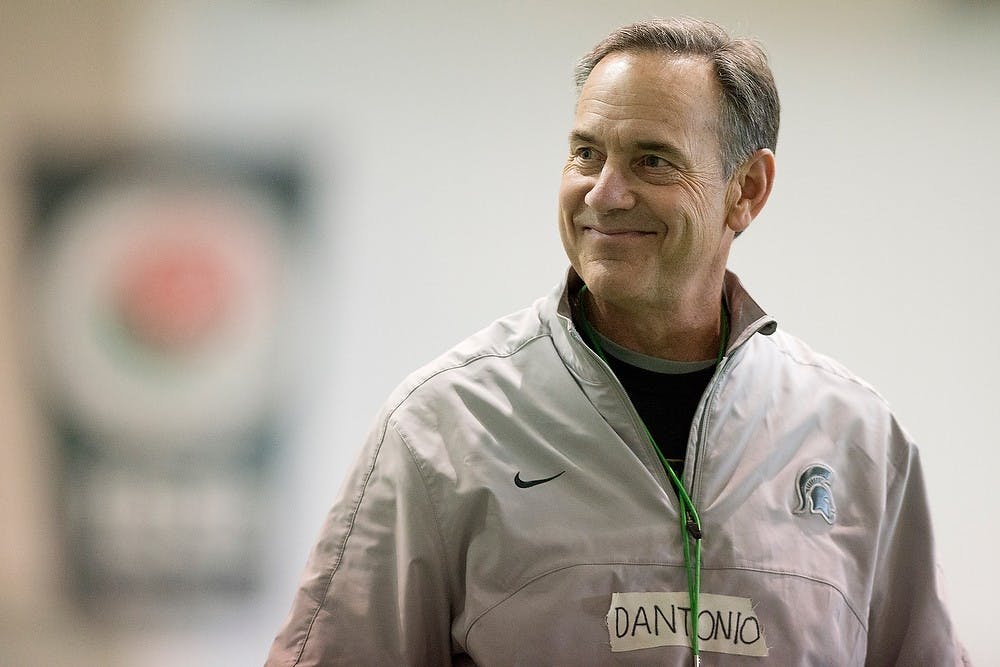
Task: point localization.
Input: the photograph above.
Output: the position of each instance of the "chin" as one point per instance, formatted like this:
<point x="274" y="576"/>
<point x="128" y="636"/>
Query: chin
<point x="619" y="286"/>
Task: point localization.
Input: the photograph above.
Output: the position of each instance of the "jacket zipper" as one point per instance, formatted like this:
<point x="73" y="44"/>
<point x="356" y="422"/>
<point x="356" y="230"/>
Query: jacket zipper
<point x="708" y="398"/>
<point x="691" y="469"/>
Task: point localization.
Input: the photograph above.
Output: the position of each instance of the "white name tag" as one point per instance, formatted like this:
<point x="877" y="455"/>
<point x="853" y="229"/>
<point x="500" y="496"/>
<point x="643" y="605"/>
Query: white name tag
<point x="726" y="624"/>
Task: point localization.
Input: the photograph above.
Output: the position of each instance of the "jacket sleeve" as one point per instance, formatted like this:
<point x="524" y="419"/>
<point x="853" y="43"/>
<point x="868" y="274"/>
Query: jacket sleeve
<point x="374" y="590"/>
<point x="908" y="619"/>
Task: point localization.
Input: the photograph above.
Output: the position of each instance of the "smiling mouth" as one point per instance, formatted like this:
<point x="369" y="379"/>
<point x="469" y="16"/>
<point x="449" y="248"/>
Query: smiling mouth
<point x="622" y="234"/>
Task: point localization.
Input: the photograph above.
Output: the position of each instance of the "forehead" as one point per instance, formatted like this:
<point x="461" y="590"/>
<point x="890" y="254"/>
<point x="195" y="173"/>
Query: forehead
<point x="650" y="92"/>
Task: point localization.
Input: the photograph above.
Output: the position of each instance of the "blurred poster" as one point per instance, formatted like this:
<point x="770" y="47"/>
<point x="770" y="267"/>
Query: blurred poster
<point x="158" y="280"/>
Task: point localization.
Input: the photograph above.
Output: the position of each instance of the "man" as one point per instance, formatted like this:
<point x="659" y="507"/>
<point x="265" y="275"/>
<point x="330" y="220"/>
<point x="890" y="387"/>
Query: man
<point x="640" y="468"/>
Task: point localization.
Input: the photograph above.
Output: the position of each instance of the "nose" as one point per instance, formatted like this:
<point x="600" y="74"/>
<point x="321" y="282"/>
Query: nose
<point x="611" y="191"/>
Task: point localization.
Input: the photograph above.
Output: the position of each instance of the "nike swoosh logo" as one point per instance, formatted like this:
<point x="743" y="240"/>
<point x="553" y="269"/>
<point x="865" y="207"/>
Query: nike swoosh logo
<point x="527" y="484"/>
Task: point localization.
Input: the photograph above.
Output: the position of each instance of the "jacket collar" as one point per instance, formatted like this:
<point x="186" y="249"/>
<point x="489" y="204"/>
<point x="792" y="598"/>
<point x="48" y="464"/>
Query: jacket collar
<point x="746" y="317"/>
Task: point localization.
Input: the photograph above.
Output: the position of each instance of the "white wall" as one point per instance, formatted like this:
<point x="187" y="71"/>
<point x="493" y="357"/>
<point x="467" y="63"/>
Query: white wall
<point x="437" y="130"/>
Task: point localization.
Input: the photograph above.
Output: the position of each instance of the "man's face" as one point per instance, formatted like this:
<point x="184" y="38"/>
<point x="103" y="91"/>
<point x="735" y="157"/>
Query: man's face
<point x="643" y="202"/>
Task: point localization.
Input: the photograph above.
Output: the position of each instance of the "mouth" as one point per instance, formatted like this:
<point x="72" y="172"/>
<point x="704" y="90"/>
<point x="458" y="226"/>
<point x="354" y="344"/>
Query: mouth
<point x="617" y="234"/>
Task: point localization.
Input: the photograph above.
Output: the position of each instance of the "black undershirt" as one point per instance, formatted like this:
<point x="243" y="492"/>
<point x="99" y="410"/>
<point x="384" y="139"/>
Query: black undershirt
<point x="666" y="402"/>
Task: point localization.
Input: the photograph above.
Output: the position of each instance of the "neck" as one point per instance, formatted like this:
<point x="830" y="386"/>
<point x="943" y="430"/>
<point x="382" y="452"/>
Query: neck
<point x="691" y="333"/>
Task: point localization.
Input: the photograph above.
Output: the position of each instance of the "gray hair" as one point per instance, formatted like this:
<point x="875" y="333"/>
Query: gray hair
<point x="749" y="109"/>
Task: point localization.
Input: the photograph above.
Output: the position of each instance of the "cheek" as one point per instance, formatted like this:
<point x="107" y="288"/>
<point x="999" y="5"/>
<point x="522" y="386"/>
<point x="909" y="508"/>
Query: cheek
<point x="568" y="233"/>
<point x="572" y="189"/>
<point x="569" y="242"/>
<point x="704" y="212"/>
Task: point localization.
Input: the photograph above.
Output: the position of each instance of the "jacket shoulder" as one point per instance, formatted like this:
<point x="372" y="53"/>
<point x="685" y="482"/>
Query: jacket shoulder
<point x="501" y="339"/>
<point x="793" y="350"/>
<point x="825" y="386"/>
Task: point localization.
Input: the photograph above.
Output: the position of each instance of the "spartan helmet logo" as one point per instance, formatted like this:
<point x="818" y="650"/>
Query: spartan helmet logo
<point x="815" y="494"/>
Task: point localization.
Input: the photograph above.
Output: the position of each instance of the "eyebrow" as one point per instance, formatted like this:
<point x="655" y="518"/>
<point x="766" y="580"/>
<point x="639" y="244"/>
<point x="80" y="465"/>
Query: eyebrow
<point x="582" y="137"/>
<point x="657" y="147"/>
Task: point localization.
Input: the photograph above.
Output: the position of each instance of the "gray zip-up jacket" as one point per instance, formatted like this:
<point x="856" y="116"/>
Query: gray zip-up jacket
<point x="507" y="509"/>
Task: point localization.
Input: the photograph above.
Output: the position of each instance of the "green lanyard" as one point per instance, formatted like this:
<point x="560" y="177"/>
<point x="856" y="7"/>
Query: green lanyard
<point x="690" y="523"/>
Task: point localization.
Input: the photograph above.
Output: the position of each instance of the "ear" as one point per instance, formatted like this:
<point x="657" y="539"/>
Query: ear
<point x="751" y="186"/>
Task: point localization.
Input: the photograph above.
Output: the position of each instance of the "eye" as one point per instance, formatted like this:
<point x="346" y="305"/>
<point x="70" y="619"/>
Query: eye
<point x="654" y="162"/>
<point x="585" y="153"/>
